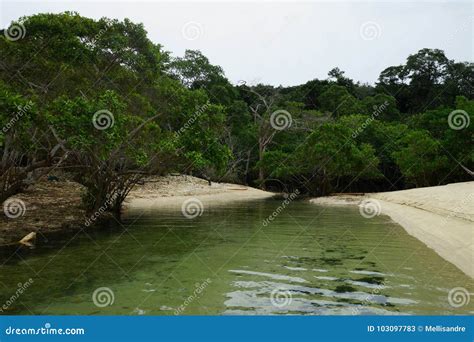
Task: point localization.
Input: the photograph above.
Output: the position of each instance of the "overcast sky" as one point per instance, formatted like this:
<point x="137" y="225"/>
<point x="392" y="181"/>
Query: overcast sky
<point x="285" y="42"/>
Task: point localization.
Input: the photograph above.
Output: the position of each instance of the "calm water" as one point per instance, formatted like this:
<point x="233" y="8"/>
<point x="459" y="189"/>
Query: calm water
<point x="309" y="260"/>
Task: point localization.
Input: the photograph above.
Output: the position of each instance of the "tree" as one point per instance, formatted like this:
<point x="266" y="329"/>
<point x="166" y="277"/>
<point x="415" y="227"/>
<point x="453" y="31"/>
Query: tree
<point x="268" y="119"/>
<point x="452" y="128"/>
<point x="381" y="106"/>
<point x="427" y="80"/>
<point x="79" y="53"/>
<point x="329" y="154"/>
<point x="337" y="75"/>
<point x="81" y="60"/>
<point x="420" y="159"/>
<point x="182" y="114"/>
<point x="111" y="149"/>
<point x="241" y="135"/>
<point x="199" y="139"/>
<point x="195" y="71"/>
<point x="337" y="100"/>
<point x="16" y="143"/>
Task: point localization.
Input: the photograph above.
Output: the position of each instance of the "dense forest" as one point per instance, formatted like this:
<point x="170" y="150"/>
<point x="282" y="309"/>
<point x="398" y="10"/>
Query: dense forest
<point x="99" y="99"/>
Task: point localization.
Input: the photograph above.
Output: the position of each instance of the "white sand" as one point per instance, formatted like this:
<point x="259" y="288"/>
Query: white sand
<point x="442" y="217"/>
<point x="173" y="191"/>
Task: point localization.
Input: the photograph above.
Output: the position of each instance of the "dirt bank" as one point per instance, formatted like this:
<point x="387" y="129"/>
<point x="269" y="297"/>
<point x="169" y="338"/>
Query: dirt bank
<point x="442" y="217"/>
<point x="45" y="208"/>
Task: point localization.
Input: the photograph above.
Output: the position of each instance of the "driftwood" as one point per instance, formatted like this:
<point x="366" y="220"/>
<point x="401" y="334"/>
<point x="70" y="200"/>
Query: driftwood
<point x="29" y="240"/>
<point x="471" y="173"/>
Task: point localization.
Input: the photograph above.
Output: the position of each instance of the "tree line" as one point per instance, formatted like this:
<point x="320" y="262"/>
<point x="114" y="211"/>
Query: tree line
<point x="99" y="99"/>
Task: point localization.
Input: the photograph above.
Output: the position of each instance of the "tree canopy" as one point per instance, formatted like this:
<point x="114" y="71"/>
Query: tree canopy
<point x="99" y="98"/>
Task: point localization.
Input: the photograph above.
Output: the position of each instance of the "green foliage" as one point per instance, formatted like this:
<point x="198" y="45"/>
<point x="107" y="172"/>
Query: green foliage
<point x="338" y="101"/>
<point x="181" y="114"/>
<point x="329" y="154"/>
<point x="101" y="140"/>
<point x="194" y="70"/>
<point x="381" y="106"/>
<point x="330" y="149"/>
<point x="427" y="80"/>
<point x="420" y="159"/>
<point x="200" y="141"/>
<point x="455" y="143"/>
<point x="17" y="117"/>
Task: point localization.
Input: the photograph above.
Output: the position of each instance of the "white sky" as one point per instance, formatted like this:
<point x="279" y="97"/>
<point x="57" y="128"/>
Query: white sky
<point x="287" y="42"/>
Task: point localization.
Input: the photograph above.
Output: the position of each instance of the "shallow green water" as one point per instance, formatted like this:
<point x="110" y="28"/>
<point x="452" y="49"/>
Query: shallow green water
<point x="309" y="260"/>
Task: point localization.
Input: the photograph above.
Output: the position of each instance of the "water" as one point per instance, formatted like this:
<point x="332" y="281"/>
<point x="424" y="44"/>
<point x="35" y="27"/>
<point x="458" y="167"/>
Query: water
<point x="308" y="260"/>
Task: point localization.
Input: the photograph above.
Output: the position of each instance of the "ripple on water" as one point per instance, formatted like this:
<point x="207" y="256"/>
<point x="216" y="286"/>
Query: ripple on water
<point x="326" y="278"/>
<point x="255" y="297"/>
<point x="270" y="275"/>
<point x="295" y="268"/>
<point x="369" y="273"/>
<point x="366" y="284"/>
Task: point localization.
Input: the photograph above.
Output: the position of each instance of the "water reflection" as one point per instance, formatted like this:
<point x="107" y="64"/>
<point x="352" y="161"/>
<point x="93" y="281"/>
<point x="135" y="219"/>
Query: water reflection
<point x="323" y="260"/>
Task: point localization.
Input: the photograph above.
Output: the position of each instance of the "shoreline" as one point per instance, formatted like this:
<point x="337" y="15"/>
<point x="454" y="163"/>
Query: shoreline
<point x="172" y="191"/>
<point x="49" y="210"/>
<point x="442" y="217"/>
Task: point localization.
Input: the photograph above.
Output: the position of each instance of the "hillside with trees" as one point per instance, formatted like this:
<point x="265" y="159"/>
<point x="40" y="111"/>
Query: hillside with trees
<point x="99" y="99"/>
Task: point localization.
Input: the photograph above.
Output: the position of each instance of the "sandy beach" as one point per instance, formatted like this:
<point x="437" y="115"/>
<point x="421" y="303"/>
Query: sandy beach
<point x="442" y="217"/>
<point x="168" y="191"/>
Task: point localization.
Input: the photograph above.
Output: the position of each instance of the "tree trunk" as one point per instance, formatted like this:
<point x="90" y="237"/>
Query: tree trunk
<point x="261" y="175"/>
